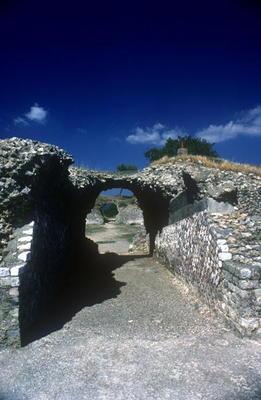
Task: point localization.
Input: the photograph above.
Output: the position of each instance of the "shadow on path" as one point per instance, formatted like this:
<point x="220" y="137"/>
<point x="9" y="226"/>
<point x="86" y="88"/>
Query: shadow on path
<point x="91" y="281"/>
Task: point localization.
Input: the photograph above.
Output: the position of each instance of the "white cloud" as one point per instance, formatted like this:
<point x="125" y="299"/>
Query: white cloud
<point x="249" y="123"/>
<point x="20" y="121"/>
<point x="157" y="135"/>
<point x="37" y="114"/>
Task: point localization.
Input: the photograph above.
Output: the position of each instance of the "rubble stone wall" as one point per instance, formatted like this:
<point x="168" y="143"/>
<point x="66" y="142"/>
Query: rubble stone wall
<point x="219" y="256"/>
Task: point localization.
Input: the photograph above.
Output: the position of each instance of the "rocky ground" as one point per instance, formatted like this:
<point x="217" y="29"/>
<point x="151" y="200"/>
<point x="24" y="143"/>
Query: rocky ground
<point x="140" y="336"/>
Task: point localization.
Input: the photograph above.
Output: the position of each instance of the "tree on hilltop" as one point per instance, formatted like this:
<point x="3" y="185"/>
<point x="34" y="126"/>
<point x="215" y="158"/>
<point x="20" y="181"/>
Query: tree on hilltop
<point x="195" y="146"/>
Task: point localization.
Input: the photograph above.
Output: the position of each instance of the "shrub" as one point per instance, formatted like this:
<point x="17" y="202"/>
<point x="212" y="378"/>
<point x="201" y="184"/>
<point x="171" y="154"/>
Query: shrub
<point x="126" y="167"/>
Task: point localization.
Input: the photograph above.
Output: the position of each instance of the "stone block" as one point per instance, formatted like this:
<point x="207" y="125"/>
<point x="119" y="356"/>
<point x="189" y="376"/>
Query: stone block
<point x="15" y="281"/>
<point x="16" y="270"/>
<point x="245" y="273"/>
<point x="14" y="292"/>
<point x="4" y="272"/>
<point x="225" y="256"/>
<point x="248" y="284"/>
<point x="23" y="256"/>
<point x="242" y="271"/>
<point x="14" y="313"/>
<point x="25" y="239"/>
<point x="24" y="247"/>
<point x="28" y="231"/>
<point x="221" y="242"/>
<point x="223" y="248"/>
<point x="6" y="281"/>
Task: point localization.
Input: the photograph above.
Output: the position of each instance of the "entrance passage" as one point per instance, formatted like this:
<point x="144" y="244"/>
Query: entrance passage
<point x="120" y="296"/>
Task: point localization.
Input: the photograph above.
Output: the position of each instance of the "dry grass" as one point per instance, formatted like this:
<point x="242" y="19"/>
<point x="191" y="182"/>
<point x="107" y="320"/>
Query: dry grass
<point x="223" y="165"/>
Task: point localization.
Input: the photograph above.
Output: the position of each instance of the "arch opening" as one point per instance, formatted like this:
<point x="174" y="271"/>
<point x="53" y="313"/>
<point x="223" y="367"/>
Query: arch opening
<point x="116" y="223"/>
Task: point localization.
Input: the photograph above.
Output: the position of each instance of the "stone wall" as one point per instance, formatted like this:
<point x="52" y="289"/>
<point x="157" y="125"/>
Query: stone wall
<point x="218" y="255"/>
<point x="14" y="264"/>
<point x="21" y="161"/>
<point x="34" y="180"/>
<point x="191" y="250"/>
<point x="213" y="240"/>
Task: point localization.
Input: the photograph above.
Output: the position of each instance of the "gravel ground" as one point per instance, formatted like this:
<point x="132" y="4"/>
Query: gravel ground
<point x="112" y="237"/>
<point x="149" y="339"/>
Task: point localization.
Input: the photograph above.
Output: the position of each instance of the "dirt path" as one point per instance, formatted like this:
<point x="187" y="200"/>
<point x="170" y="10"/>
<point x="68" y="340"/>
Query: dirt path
<point x="145" y="338"/>
<point x="112" y="237"/>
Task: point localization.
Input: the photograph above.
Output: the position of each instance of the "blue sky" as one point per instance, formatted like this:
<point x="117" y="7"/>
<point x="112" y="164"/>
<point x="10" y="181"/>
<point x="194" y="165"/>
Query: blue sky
<point x="108" y="81"/>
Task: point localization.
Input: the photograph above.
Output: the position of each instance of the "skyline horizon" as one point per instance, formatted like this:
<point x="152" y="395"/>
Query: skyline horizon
<point x="107" y="82"/>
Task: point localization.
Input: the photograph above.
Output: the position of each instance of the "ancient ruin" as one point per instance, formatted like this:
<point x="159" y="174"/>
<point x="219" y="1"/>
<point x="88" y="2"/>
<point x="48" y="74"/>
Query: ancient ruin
<point x="204" y="223"/>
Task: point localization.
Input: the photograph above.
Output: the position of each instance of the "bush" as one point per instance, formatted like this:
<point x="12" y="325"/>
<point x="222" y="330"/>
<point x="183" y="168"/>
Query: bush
<point x="109" y="210"/>
<point x="126" y="167"/>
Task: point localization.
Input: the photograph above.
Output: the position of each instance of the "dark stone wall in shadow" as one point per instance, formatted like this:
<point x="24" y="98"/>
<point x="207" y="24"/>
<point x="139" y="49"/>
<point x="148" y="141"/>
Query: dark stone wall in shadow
<point x="56" y="230"/>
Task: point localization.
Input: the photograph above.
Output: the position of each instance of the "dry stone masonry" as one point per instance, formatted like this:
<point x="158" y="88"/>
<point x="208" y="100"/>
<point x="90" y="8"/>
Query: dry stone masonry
<point x="214" y="243"/>
<point x="204" y="223"/>
<point x="16" y="255"/>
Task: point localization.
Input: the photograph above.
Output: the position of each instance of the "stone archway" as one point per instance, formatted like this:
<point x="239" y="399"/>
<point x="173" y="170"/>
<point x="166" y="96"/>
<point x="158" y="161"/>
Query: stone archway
<point x="59" y="237"/>
<point x="202" y="206"/>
